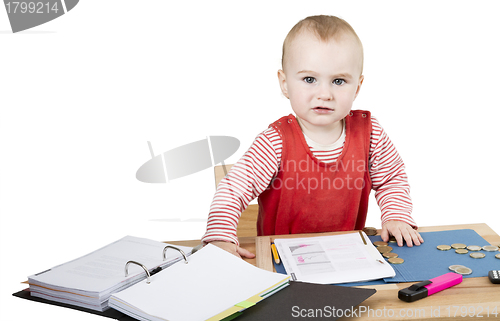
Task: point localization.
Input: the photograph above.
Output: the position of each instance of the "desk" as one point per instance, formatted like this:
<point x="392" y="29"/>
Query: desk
<point x="477" y="295"/>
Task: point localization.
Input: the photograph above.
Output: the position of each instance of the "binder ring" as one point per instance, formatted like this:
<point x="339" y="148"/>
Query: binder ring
<point x="175" y="248"/>
<point x="141" y="265"/>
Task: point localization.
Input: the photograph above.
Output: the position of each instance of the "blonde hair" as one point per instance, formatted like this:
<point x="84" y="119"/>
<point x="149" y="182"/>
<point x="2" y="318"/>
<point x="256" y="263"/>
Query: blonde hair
<point x="325" y="28"/>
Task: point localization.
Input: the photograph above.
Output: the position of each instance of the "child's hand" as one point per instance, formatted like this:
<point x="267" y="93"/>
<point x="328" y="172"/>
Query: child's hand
<point x="234" y="249"/>
<point x="401" y="230"/>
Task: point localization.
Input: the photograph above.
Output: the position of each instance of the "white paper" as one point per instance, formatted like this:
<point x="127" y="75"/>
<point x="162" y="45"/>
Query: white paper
<point x="332" y="259"/>
<point x="89" y="280"/>
<point x="105" y="267"/>
<point x="213" y="281"/>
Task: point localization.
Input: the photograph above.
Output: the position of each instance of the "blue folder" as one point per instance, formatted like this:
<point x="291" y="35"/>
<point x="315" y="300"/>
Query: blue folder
<point x="425" y="262"/>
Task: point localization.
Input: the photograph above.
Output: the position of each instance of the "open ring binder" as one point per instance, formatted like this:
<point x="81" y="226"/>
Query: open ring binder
<point x="141" y="265"/>
<point x="175" y="248"/>
<point x="154" y="271"/>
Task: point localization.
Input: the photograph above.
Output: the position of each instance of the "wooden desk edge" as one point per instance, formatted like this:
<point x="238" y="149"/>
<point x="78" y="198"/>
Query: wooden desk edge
<point x="472" y="293"/>
<point x="250" y="242"/>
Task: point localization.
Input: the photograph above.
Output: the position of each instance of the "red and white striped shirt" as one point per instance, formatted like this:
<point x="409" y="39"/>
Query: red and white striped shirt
<point x="253" y="173"/>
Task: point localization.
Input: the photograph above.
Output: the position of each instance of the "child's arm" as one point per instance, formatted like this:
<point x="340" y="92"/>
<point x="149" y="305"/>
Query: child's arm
<point x="234" y="249"/>
<point x="392" y="190"/>
<point x="249" y="177"/>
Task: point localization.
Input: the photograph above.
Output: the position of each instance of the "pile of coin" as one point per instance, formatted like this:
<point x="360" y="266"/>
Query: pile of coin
<point x="464" y="249"/>
<point x="460" y="269"/>
<point x="370" y="231"/>
<point x="474" y="249"/>
<point x="385" y="250"/>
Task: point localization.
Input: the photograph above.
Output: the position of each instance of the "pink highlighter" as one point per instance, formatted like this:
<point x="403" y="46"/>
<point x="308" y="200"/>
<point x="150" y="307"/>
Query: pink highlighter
<point x="425" y="288"/>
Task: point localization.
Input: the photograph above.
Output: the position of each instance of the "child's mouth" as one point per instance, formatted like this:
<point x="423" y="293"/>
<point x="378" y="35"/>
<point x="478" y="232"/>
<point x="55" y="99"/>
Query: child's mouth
<point x="322" y="110"/>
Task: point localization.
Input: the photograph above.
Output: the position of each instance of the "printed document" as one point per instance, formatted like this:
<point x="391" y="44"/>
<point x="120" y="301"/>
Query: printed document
<point x="333" y="259"/>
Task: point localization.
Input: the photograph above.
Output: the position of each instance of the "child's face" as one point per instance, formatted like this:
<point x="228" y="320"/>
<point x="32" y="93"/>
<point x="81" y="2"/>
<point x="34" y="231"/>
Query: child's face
<point x="321" y="79"/>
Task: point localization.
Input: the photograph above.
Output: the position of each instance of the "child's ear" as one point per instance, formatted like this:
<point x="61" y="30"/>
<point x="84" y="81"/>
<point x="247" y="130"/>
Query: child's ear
<point x="283" y="85"/>
<point x="360" y="82"/>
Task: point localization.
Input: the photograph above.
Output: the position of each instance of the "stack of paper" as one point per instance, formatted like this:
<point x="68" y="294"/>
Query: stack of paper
<point x="90" y="280"/>
<point x="213" y="285"/>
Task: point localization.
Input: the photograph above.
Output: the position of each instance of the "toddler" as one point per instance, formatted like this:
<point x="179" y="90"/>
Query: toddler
<point x="313" y="171"/>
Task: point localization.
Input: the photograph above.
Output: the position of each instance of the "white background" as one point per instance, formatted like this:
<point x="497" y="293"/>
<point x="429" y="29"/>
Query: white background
<point x="80" y="97"/>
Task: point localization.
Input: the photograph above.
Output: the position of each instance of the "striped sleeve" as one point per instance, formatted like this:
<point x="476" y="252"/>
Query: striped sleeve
<point x="251" y="175"/>
<point x="389" y="180"/>
<point x="246" y="180"/>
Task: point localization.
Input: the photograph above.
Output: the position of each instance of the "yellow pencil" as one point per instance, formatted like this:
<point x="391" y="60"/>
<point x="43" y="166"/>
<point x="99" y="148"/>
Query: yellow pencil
<point x="275" y="254"/>
<point x="362" y="237"/>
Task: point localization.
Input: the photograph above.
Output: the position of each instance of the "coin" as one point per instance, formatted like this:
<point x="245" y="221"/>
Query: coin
<point x="454" y="267"/>
<point x="388" y="255"/>
<point x="458" y="246"/>
<point x="370" y="231"/>
<point x="443" y="247"/>
<point x="490" y="248"/>
<point x="395" y="260"/>
<point x="461" y="251"/>
<point x="463" y="270"/>
<point x="379" y="243"/>
<point x="384" y="249"/>
<point x="392" y="239"/>
<point x="497" y="256"/>
<point x="477" y="255"/>
<point x="473" y="248"/>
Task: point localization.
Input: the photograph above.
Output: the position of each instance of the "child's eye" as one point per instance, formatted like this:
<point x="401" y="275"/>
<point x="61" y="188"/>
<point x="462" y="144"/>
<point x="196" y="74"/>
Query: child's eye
<point x="339" y="82"/>
<point x="309" y="80"/>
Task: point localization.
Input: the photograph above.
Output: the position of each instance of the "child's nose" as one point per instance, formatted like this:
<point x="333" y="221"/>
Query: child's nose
<point x="324" y="92"/>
